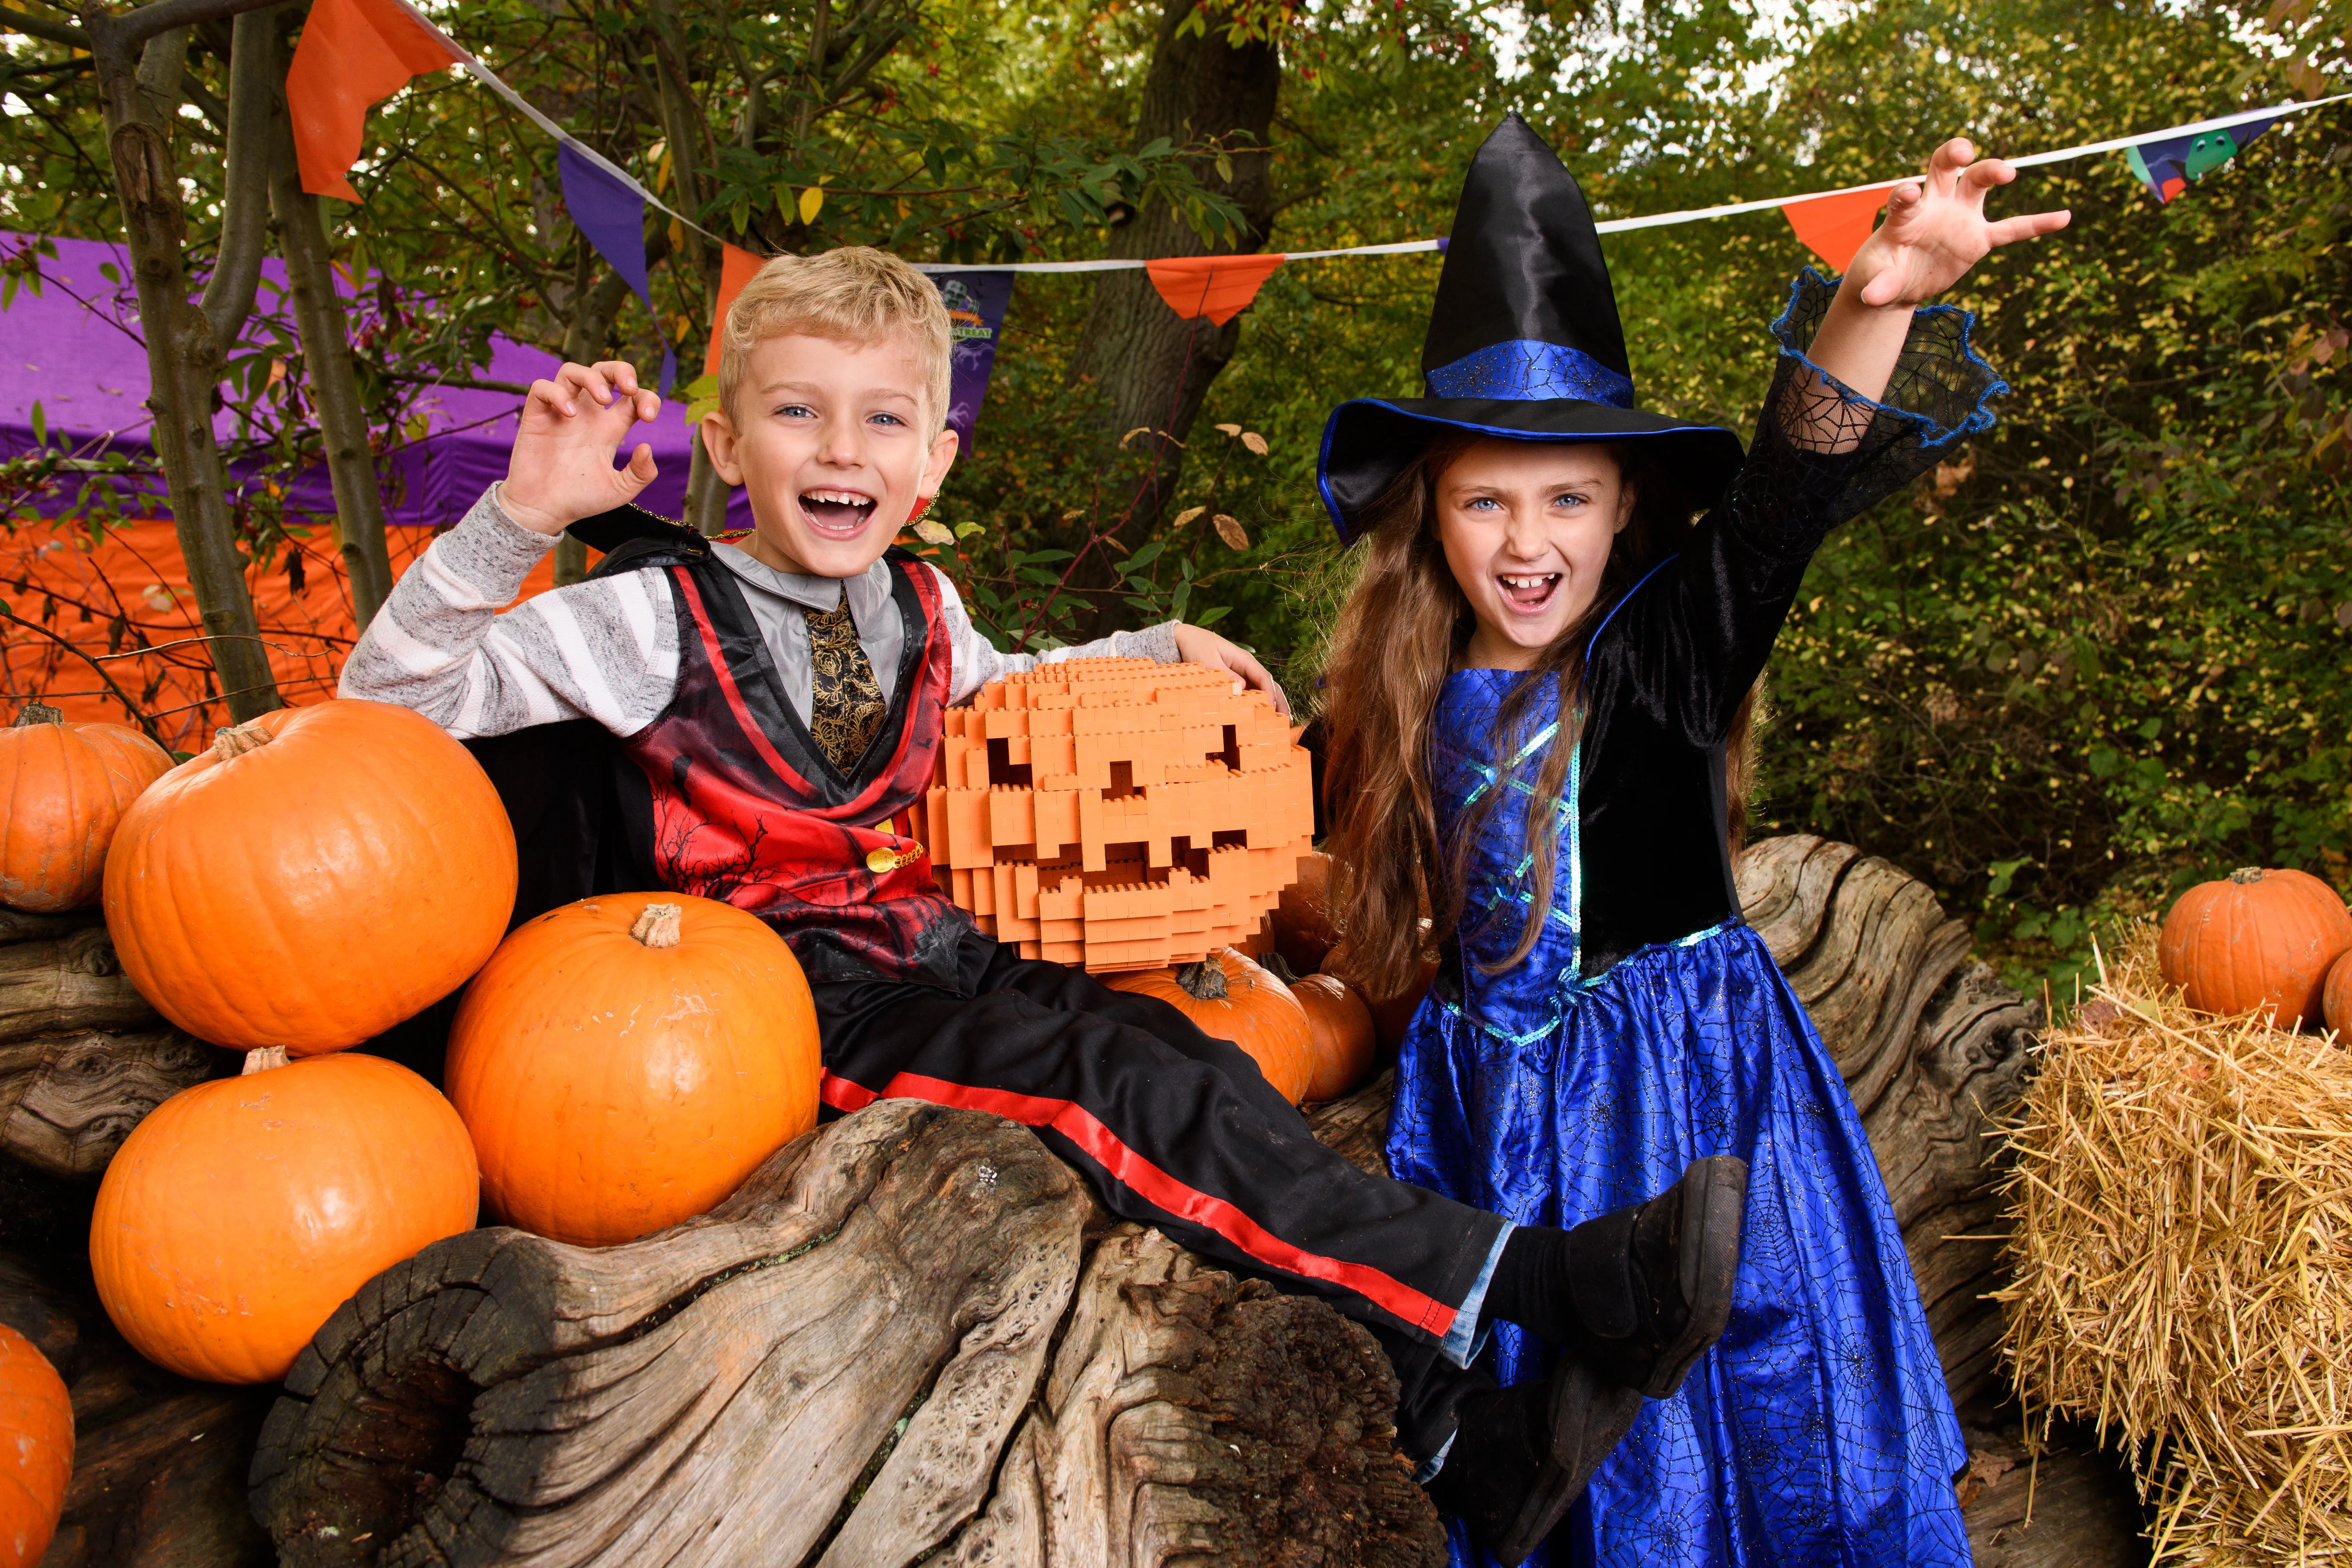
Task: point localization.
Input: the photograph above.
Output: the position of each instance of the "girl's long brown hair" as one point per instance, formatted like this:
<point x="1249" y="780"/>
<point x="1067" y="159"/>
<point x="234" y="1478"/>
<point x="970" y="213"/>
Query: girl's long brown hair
<point x="1399" y="636"/>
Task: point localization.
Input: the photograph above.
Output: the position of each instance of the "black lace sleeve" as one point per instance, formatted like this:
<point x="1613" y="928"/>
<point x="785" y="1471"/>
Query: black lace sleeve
<point x="1690" y="639"/>
<point x="1787" y="497"/>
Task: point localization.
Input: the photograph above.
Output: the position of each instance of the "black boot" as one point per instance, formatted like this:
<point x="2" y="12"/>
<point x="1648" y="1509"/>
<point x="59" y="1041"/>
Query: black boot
<point x="1653" y="1282"/>
<point x="1521" y="1456"/>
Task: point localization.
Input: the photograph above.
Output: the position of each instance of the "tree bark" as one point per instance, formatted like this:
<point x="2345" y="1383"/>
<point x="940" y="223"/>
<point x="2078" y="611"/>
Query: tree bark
<point x="184" y="360"/>
<point x="334" y="379"/>
<point x="82" y="1056"/>
<point x="1153" y="367"/>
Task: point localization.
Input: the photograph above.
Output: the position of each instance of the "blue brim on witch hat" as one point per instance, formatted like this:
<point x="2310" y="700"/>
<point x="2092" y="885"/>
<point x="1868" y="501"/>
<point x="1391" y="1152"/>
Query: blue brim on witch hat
<point x="1523" y="343"/>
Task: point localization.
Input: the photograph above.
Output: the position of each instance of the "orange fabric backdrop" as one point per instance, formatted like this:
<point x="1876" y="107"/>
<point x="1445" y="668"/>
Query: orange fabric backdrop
<point x="128" y="595"/>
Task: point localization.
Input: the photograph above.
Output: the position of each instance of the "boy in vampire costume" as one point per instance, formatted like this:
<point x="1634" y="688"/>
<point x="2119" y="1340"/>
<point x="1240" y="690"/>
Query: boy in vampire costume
<point x="755" y="721"/>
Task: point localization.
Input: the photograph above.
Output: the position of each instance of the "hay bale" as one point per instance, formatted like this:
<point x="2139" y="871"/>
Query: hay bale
<point x="2182" y="1264"/>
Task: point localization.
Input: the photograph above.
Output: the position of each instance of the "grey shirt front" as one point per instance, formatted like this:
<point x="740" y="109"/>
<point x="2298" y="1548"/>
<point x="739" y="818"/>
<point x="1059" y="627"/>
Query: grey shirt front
<point x="607" y="649"/>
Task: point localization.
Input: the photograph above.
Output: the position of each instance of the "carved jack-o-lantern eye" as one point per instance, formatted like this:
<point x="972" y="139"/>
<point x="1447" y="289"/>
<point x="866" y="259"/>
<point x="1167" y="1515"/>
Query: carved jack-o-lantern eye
<point x="1119" y="813"/>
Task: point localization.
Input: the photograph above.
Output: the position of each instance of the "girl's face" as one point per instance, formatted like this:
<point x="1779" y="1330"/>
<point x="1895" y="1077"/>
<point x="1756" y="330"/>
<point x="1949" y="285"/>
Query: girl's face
<point x="1526" y="527"/>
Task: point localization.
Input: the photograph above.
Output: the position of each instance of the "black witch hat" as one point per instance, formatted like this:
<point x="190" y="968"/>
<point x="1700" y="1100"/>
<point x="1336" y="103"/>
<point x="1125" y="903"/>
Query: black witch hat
<point x="1523" y="341"/>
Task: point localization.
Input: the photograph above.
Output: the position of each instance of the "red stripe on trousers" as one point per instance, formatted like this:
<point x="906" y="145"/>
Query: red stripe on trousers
<point x="1080" y="1125"/>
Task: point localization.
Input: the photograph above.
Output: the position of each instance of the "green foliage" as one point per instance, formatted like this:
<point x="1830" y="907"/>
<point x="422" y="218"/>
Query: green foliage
<point x="2095" y="657"/>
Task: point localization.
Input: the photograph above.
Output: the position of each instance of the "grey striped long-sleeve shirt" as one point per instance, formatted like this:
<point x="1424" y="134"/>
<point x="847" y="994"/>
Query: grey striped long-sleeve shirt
<point x="607" y="649"/>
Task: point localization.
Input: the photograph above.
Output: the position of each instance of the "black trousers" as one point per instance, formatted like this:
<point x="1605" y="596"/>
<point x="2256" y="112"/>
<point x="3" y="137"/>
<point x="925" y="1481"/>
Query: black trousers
<point x="1177" y="1129"/>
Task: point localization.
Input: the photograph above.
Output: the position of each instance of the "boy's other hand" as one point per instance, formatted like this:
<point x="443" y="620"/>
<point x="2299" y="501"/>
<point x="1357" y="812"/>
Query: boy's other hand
<point x="1197" y="645"/>
<point x="561" y="468"/>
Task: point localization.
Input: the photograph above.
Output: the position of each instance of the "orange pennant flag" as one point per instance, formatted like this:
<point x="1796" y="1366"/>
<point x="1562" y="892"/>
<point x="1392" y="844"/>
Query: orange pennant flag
<point x="355" y="54"/>
<point x="1217" y="287"/>
<point x="736" y="266"/>
<point x="1834" y="227"/>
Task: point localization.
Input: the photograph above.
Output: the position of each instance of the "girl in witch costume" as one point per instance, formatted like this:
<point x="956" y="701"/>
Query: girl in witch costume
<point x="1536" y="711"/>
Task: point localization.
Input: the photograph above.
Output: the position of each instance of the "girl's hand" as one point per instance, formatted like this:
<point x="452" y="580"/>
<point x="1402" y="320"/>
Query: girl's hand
<point x="1936" y="230"/>
<point x="1197" y="645"/>
<point x="561" y="469"/>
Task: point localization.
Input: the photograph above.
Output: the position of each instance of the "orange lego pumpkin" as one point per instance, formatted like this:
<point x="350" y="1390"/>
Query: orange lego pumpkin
<point x="1119" y="814"/>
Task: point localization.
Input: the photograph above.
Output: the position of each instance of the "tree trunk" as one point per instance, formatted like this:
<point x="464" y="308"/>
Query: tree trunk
<point x="184" y="363"/>
<point x="333" y="381"/>
<point x="1154" y="368"/>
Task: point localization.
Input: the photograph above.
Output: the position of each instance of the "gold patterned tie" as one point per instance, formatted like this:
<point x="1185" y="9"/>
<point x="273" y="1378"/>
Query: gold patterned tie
<point x="845" y="702"/>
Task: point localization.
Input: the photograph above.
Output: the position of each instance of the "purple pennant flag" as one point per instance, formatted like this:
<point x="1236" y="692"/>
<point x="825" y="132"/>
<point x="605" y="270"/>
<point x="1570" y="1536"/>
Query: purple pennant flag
<point x="976" y="303"/>
<point x="612" y="216"/>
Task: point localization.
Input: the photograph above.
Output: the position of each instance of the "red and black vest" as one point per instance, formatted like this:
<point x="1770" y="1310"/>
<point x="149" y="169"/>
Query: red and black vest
<point x="742" y="807"/>
<point x="725" y="795"/>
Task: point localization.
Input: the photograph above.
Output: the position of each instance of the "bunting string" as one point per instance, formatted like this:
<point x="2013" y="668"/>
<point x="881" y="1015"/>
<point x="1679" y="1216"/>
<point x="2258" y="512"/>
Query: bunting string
<point x="354" y="54"/>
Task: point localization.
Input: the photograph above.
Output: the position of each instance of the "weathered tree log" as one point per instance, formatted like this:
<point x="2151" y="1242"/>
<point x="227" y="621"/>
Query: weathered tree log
<point x="826" y="1369"/>
<point x="82" y="1055"/>
<point x="1193" y="1417"/>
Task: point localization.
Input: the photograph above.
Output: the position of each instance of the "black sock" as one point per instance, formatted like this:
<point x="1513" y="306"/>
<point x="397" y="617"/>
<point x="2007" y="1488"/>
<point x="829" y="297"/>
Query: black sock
<point x="1530" y="1285"/>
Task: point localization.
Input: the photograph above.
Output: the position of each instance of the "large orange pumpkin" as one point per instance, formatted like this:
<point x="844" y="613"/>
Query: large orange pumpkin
<point x="35" y="1449"/>
<point x="2255" y="939"/>
<point x="241" y="1213"/>
<point x="63" y="790"/>
<point x="626" y="1062"/>
<point x="1303" y="933"/>
<point x="2335" y="999"/>
<point x="314" y="878"/>
<point x="1339" y="1026"/>
<point x="1234" y="999"/>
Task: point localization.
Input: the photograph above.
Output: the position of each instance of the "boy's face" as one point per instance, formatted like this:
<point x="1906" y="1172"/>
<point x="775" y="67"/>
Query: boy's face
<point x="830" y="450"/>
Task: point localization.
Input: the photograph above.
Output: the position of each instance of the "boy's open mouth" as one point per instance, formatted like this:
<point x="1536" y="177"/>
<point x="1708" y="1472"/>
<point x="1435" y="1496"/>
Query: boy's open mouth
<point x="1530" y="592"/>
<point x="836" y="514"/>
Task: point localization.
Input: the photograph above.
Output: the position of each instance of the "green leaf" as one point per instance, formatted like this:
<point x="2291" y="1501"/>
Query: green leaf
<point x="40" y="426"/>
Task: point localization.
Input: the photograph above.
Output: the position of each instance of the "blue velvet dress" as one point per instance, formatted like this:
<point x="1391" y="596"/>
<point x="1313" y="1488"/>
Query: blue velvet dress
<point x="1818" y="1431"/>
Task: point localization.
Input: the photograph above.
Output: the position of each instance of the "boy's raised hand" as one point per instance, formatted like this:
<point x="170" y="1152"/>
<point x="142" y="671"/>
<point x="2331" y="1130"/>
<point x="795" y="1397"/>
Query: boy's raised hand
<point x="561" y="468"/>
<point x="1935" y="229"/>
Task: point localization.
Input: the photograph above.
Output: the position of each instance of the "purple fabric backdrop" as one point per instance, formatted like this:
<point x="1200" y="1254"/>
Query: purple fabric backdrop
<point x="75" y="349"/>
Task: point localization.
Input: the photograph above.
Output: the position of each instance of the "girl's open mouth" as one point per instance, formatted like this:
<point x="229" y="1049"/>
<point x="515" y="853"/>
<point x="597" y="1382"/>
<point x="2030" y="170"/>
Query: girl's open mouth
<point x="836" y="514"/>
<point x="1530" y="594"/>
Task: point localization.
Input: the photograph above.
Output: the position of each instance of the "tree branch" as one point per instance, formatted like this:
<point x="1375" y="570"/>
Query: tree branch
<point x="138" y="714"/>
<point x="64" y="33"/>
<point x="253" y="76"/>
<point x="134" y="27"/>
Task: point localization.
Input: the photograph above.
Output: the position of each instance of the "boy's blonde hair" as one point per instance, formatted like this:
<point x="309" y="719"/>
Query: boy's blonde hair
<point x="853" y="295"/>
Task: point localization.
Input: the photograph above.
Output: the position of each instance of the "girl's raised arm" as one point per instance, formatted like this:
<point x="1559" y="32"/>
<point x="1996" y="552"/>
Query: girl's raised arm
<point x="1934" y="231"/>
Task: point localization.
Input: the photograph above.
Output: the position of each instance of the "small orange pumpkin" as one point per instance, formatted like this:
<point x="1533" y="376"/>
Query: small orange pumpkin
<point x="36" y="1443"/>
<point x="63" y="790"/>
<point x="1339" y="1024"/>
<point x="2335" y="999"/>
<point x="319" y="874"/>
<point x="625" y="1062"/>
<point x="1303" y="933"/>
<point x="241" y="1213"/>
<point x="2255" y="939"/>
<point x="1232" y="999"/>
<point x="1390" y="1015"/>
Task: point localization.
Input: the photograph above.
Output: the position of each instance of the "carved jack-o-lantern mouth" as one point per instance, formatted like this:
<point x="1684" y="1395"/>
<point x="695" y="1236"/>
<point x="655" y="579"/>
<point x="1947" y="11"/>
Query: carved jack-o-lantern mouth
<point x="1119" y="813"/>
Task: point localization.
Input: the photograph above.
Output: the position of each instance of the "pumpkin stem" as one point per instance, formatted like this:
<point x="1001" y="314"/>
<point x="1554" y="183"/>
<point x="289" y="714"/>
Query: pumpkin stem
<point x="1203" y="981"/>
<point x="2246" y="874"/>
<point x="656" y="926"/>
<point x="262" y="1061"/>
<point x="235" y="740"/>
<point x="38" y="712"/>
